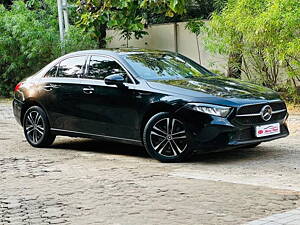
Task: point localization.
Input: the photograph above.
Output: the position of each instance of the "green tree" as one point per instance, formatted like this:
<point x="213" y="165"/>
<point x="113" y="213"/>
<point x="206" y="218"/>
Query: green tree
<point x="29" y="39"/>
<point x="196" y="27"/>
<point x="204" y="8"/>
<point x="263" y="33"/>
<point x="6" y="3"/>
<point x="128" y="16"/>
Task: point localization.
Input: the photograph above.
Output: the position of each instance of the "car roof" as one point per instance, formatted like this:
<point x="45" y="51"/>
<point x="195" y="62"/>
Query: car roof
<point x="118" y="51"/>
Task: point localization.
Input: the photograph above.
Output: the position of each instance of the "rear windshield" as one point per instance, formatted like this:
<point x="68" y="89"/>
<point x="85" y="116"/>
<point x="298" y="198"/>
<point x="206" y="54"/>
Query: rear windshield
<point x="165" y="66"/>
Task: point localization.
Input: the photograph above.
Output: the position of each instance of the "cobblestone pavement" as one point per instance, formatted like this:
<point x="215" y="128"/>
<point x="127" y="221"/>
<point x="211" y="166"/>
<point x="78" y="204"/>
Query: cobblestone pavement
<point x="83" y="181"/>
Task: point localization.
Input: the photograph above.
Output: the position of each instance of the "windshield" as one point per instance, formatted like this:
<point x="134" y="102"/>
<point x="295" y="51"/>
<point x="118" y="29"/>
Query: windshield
<point x="165" y="66"/>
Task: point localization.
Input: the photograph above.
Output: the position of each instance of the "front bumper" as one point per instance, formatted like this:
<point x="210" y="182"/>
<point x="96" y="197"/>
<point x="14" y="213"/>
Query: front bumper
<point x="252" y="139"/>
<point x="211" y="133"/>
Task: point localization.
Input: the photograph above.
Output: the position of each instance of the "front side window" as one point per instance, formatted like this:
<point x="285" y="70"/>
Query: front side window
<point x="101" y="67"/>
<point x="72" y="67"/>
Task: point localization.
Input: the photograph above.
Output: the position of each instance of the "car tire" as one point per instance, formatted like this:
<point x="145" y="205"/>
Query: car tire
<point x="167" y="138"/>
<point x="36" y="127"/>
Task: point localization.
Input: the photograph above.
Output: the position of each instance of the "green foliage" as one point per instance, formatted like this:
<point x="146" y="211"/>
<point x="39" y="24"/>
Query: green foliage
<point x="128" y="16"/>
<point x="77" y="39"/>
<point x="289" y="92"/>
<point x="6" y="3"/>
<point x="204" y="8"/>
<point x="195" y="26"/>
<point x="266" y="32"/>
<point x="177" y="6"/>
<point x="29" y="40"/>
<point x="185" y="10"/>
<point x="25" y="44"/>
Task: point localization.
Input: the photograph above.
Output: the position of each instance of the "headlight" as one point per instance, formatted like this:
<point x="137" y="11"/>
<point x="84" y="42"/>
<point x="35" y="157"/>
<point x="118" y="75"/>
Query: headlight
<point x="215" y="110"/>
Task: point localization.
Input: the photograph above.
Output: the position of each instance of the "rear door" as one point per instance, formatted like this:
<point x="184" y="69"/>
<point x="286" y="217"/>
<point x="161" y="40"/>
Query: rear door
<point x="61" y="91"/>
<point x="107" y="109"/>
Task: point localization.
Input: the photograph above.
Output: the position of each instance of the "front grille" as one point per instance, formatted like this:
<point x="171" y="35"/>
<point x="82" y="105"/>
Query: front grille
<point x="255" y="109"/>
<point x="258" y="120"/>
<point x="250" y="109"/>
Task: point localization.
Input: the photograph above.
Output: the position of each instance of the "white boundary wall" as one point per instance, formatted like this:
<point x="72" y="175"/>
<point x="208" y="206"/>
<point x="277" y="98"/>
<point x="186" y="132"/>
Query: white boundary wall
<point x="163" y="37"/>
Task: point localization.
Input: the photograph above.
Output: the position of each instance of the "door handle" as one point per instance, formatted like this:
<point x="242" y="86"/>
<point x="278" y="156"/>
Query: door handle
<point x="55" y="85"/>
<point x="50" y="87"/>
<point x="139" y="94"/>
<point x="88" y="90"/>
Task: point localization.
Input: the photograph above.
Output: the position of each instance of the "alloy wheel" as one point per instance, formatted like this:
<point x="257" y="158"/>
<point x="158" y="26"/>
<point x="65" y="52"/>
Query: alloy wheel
<point x="34" y="127"/>
<point x="168" y="137"/>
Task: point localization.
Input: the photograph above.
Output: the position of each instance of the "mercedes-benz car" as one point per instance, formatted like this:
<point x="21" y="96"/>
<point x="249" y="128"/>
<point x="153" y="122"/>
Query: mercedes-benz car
<point x="158" y="99"/>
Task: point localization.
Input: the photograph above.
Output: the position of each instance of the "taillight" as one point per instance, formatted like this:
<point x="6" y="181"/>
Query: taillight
<point x="18" y="86"/>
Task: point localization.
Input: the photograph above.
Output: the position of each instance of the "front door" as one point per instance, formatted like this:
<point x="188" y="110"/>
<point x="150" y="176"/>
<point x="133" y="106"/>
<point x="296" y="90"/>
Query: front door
<point x="108" y="110"/>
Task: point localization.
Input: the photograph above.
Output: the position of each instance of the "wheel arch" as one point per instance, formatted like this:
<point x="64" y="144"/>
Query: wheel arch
<point x="27" y="104"/>
<point x="153" y="109"/>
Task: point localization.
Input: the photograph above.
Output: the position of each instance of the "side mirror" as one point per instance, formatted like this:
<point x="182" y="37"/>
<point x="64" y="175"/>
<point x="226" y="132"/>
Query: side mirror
<point x="115" y="79"/>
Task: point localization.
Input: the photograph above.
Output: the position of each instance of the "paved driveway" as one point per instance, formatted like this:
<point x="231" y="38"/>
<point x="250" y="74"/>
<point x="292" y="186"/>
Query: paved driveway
<point x="83" y="181"/>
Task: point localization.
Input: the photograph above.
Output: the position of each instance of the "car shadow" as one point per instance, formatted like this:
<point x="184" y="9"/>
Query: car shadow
<point x="114" y="148"/>
<point x="246" y="154"/>
<point x="98" y="146"/>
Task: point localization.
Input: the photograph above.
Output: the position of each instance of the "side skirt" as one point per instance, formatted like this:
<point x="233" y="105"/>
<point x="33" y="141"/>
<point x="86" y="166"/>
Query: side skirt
<point x="95" y="136"/>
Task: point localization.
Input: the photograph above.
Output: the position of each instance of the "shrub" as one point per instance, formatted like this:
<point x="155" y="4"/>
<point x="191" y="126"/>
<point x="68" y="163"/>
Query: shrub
<point x="29" y="40"/>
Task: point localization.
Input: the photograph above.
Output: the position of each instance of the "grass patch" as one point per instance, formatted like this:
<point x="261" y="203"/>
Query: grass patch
<point x="2" y="99"/>
<point x="293" y="108"/>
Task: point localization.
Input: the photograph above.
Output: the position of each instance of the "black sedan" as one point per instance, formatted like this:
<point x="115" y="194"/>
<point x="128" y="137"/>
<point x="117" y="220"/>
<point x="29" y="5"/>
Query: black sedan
<point x="158" y="99"/>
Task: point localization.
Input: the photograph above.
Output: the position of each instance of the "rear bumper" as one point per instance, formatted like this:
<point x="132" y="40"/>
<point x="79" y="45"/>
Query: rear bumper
<point x="17" y="109"/>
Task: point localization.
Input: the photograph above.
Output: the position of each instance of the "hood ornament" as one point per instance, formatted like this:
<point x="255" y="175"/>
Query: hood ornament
<point x="266" y="113"/>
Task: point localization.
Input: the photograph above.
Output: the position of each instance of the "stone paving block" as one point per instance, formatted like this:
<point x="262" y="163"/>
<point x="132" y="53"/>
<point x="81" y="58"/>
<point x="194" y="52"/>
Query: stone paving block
<point x="272" y="223"/>
<point x="280" y="218"/>
<point x="286" y="219"/>
<point x="79" y="181"/>
<point x="256" y="222"/>
<point x="295" y="222"/>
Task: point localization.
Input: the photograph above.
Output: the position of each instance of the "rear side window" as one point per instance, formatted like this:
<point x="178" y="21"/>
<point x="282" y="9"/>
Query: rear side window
<point x="52" y="72"/>
<point x="101" y="67"/>
<point x="72" y="67"/>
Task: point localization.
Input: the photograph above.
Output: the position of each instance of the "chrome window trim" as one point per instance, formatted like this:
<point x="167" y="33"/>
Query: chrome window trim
<point x="98" y="135"/>
<point x="88" y="57"/>
<point x="93" y="82"/>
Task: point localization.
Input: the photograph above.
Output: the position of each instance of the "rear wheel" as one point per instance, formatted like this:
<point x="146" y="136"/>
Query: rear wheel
<point x="36" y="127"/>
<point x="166" y="138"/>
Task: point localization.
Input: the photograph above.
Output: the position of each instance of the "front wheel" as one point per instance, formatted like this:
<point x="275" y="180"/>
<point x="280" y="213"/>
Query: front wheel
<point x="36" y="127"/>
<point x="166" y="138"/>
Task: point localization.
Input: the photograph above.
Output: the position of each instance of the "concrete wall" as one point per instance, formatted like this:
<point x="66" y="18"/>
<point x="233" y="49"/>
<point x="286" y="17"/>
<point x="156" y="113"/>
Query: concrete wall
<point x="163" y="36"/>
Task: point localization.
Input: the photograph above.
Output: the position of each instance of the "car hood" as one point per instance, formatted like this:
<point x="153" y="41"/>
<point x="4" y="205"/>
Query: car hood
<point x="215" y="86"/>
